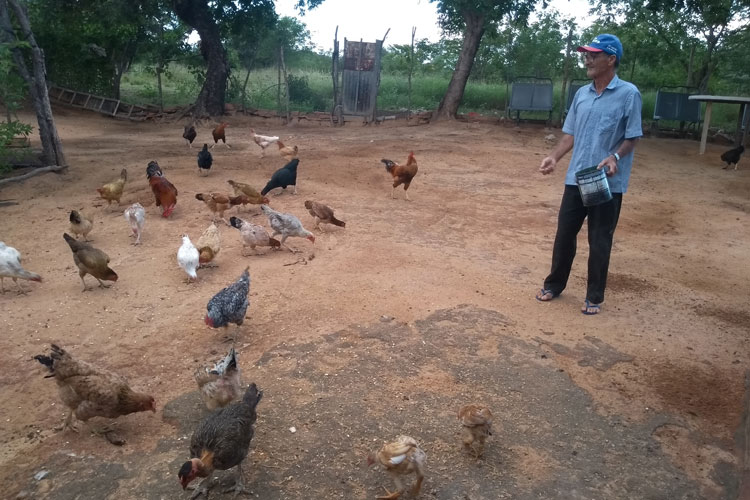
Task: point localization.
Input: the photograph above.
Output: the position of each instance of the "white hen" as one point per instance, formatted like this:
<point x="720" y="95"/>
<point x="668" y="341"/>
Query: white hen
<point x="263" y="141"/>
<point x="286" y="225"/>
<point x="136" y="217"/>
<point x="10" y="267"/>
<point x="187" y="257"/>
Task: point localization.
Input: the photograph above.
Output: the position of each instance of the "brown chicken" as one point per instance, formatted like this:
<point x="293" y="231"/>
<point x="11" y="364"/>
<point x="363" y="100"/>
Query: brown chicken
<point x="220" y="385"/>
<point x="218" y="203"/>
<point x="90" y="391"/>
<point x="164" y="191"/>
<point x="220" y="134"/>
<point x="113" y="191"/>
<point x="221" y="441"/>
<point x="91" y="261"/>
<point x="402" y="174"/>
<point x="81" y="224"/>
<point x="477" y="425"/>
<point x="401" y="457"/>
<point x="288" y="152"/>
<point x="253" y="196"/>
<point x="322" y="213"/>
<point x="208" y="245"/>
<point x="189" y="134"/>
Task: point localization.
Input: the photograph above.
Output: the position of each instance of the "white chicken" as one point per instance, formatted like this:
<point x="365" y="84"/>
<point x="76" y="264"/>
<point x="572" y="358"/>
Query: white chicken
<point x="253" y="235"/>
<point x="286" y="225"/>
<point x="401" y="457"/>
<point x="220" y="385"/>
<point x="10" y="267"/>
<point x="136" y="217"/>
<point x="263" y="141"/>
<point x="188" y="257"/>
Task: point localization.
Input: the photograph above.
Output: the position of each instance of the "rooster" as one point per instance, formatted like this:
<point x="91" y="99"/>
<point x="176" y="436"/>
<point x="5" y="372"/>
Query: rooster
<point x="113" y="190"/>
<point x="164" y="191"/>
<point x="253" y="235"/>
<point x="208" y="245"/>
<point x="402" y="174"/>
<point x="188" y="258"/>
<point x="90" y="391"/>
<point x="189" y="134"/>
<point x="322" y="213"/>
<point x="230" y="304"/>
<point x="136" y="217"/>
<point x="90" y="260"/>
<point x="81" y="224"/>
<point x="477" y="425"/>
<point x="220" y="135"/>
<point x="221" y="442"/>
<point x="10" y="267"/>
<point x="283" y="177"/>
<point x="263" y="141"/>
<point x="732" y="156"/>
<point x="401" y="457"/>
<point x="286" y="225"/>
<point x="205" y="160"/>
<point x="288" y="152"/>
<point x="220" y="384"/>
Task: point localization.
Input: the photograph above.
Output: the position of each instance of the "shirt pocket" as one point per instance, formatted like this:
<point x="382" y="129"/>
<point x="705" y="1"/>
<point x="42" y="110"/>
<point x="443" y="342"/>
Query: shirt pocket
<point x="609" y="121"/>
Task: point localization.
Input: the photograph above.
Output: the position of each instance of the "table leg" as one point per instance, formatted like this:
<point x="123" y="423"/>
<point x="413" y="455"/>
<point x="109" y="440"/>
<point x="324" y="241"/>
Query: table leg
<point x="738" y="132"/>
<point x="706" y="123"/>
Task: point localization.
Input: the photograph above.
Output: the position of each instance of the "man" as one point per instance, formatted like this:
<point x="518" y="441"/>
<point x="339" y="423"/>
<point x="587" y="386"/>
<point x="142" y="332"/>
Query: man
<point x="602" y="128"/>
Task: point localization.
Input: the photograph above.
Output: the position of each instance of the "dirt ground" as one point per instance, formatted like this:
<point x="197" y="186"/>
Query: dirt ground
<point x="389" y="325"/>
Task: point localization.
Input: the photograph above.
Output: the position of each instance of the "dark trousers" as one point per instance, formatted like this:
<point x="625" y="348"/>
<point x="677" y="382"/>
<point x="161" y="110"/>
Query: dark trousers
<point x="602" y="221"/>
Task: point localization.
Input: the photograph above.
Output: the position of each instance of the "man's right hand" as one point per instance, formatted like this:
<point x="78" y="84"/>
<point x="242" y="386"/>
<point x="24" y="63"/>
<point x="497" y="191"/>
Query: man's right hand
<point x="548" y="165"/>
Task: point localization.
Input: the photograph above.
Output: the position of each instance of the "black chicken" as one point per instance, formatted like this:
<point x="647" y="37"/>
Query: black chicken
<point x="189" y="134"/>
<point x="732" y="156"/>
<point x="283" y="177"/>
<point x="205" y="160"/>
<point x="221" y="442"/>
<point x="230" y="304"/>
<point x="153" y="169"/>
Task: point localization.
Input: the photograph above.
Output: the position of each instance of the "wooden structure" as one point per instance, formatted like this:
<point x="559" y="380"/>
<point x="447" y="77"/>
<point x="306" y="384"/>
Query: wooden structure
<point x="104" y="105"/>
<point x="742" y="121"/>
<point x="360" y="81"/>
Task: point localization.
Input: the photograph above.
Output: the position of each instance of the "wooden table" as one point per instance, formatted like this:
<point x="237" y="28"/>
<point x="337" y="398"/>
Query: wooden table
<point x="739" y="136"/>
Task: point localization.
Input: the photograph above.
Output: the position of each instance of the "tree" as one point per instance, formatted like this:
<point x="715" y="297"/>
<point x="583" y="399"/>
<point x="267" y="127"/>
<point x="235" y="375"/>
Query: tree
<point x="472" y="19"/>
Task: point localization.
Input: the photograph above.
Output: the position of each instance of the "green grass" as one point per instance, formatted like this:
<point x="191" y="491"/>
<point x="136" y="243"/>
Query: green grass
<point x="313" y="91"/>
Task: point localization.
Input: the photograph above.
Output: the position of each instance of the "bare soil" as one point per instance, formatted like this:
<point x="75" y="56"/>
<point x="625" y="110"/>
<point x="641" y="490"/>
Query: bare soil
<point x="389" y="325"/>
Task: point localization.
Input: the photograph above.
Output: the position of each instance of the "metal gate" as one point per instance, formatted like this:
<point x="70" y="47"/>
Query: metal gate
<point x="361" y="78"/>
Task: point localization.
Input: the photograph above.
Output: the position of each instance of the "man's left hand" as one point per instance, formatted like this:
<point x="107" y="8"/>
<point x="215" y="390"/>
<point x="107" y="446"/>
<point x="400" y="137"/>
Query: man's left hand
<point x="609" y="164"/>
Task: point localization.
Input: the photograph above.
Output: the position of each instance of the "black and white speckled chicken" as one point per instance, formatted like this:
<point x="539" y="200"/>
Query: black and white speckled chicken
<point x="220" y="384"/>
<point x="230" y="304"/>
<point x="221" y="442"/>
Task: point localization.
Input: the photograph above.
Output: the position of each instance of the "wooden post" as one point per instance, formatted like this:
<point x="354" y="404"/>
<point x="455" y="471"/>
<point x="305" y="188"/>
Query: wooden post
<point x="286" y="82"/>
<point x="411" y="70"/>
<point x="706" y="123"/>
<point x="566" y="74"/>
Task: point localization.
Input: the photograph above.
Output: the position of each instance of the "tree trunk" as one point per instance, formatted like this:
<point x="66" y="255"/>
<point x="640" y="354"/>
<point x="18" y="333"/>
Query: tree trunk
<point x="196" y="14"/>
<point x="52" y="150"/>
<point x="472" y="37"/>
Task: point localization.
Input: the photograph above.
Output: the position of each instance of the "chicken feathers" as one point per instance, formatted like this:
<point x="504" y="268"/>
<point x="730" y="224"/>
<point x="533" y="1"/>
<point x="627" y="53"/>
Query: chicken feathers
<point x="230" y="304"/>
<point x="90" y="260"/>
<point x="10" y="267"/>
<point x="286" y="225"/>
<point x="205" y="160"/>
<point x="283" y="177"/>
<point x="220" y="385"/>
<point x="188" y="258"/>
<point x="113" y="190"/>
<point x="253" y="235"/>
<point x="402" y="174"/>
<point x="322" y="213"/>
<point x="136" y="217"/>
<point x="81" y="224"/>
<point x="209" y="244"/>
<point x="477" y="425"/>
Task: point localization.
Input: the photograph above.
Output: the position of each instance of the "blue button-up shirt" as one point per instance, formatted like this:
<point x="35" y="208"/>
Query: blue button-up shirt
<point x="599" y="124"/>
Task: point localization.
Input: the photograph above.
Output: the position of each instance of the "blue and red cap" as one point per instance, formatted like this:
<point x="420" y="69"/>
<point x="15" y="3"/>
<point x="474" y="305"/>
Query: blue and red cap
<point x="604" y="43"/>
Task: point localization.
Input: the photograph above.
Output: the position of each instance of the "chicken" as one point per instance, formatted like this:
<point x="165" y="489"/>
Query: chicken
<point x="253" y="235"/>
<point x="209" y="244"/>
<point x="288" y="152"/>
<point x="91" y="261"/>
<point x="90" y="391"/>
<point x="189" y="134"/>
<point x="286" y="225"/>
<point x="263" y="141"/>
<point x="230" y="304"/>
<point x="188" y="258"/>
<point x="283" y="177"/>
<point x="205" y="160"/>
<point x="113" y="191"/>
<point x="402" y="174"/>
<point x="236" y="201"/>
<point x="477" y="425"/>
<point x="401" y="457"/>
<point x="136" y="217"/>
<point x="10" y="267"/>
<point x="219" y="135"/>
<point x="222" y="441"/>
<point x="322" y="213"/>
<point x="732" y="156"/>
<point x="164" y="191"/>
<point x="218" y="203"/>
<point x="220" y="385"/>
<point x="254" y="197"/>
<point x="81" y="224"/>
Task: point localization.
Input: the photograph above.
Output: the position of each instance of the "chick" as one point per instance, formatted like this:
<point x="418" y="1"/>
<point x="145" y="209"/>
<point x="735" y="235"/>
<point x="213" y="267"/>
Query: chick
<point x="401" y="457"/>
<point x="136" y="217"/>
<point x="113" y="191"/>
<point x="477" y="425"/>
<point x="81" y="224"/>
<point x="208" y="245"/>
<point x="91" y="261"/>
<point x="220" y="385"/>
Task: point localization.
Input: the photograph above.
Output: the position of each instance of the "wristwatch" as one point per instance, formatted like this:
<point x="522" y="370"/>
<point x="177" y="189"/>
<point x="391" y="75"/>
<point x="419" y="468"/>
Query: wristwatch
<point x="617" y="157"/>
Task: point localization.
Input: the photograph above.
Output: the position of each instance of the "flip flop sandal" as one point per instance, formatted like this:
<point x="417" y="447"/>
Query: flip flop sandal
<point x="542" y="292"/>
<point x="596" y="308"/>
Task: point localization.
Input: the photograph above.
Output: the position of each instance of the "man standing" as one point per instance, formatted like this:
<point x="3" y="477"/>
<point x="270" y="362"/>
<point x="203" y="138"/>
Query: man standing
<point x="602" y="128"/>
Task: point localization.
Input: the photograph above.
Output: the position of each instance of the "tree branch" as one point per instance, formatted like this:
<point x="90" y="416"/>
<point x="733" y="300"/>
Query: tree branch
<point x="36" y="171"/>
